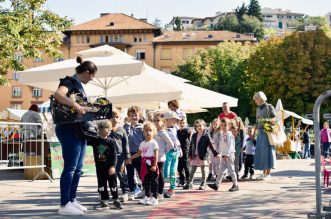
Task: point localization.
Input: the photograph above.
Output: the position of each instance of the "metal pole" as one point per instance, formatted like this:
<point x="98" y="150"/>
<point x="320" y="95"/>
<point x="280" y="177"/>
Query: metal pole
<point x="317" y="150"/>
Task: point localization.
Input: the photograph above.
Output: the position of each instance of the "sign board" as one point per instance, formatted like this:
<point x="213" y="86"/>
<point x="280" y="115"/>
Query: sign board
<point x="309" y="116"/>
<point x="310" y="28"/>
<point x="57" y="161"/>
<point x="327" y="115"/>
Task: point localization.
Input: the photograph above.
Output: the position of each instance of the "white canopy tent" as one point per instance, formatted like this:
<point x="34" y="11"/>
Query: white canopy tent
<point x="12" y="114"/>
<point x="284" y="114"/>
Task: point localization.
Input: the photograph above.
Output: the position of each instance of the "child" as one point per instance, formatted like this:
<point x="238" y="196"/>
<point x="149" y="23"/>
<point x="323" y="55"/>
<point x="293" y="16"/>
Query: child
<point x="165" y="143"/>
<point x="123" y="151"/>
<point x="104" y="150"/>
<point x="184" y="137"/>
<point x="227" y="150"/>
<point x="198" y="152"/>
<point x="148" y="150"/>
<point x="249" y="149"/>
<point x="171" y="163"/>
<point x="135" y="136"/>
<point x="213" y="131"/>
<point x="237" y="142"/>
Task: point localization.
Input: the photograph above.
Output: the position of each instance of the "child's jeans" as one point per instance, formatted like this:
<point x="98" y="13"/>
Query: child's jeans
<point x="170" y="167"/>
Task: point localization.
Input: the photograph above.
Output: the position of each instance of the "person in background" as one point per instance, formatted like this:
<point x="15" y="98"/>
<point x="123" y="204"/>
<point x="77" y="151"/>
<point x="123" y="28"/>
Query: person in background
<point x="227" y="113"/>
<point x="123" y="152"/>
<point x="31" y="116"/>
<point x="265" y="155"/>
<point x="249" y="149"/>
<point x="198" y="153"/>
<point x="306" y="142"/>
<point x="213" y="132"/>
<point x="227" y="152"/>
<point x="173" y="105"/>
<point x="135" y="134"/>
<point x="325" y="139"/>
<point x="237" y="141"/>
<point x="184" y="136"/>
<point x="105" y="157"/>
<point x="148" y="150"/>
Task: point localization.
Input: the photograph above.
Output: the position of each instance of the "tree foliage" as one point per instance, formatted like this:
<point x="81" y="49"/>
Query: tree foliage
<point x="241" y="11"/>
<point x="296" y="69"/>
<point x="318" y="21"/>
<point x="27" y="28"/>
<point x="254" y="9"/>
<point x="221" y="69"/>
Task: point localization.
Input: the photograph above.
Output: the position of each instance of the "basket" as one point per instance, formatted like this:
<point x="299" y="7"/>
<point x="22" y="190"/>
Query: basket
<point x="63" y="114"/>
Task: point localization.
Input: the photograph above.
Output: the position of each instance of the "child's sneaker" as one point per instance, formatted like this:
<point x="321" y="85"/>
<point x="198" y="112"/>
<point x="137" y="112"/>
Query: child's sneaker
<point x="102" y="205"/>
<point x="171" y="192"/>
<point x="160" y="197"/>
<point x="234" y="188"/>
<point x="202" y="186"/>
<point x="188" y="186"/>
<point x="136" y="191"/>
<point x="117" y="204"/>
<point x="181" y="184"/>
<point x="144" y="200"/>
<point x="124" y="197"/>
<point x="251" y="176"/>
<point x="213" y="186"/>
<point x="69" y="209"/>
<point x="153" y="201"/>
<point x="131" y="196"/>
<point x="210" y="177"/>
<point x="244" y="177"/>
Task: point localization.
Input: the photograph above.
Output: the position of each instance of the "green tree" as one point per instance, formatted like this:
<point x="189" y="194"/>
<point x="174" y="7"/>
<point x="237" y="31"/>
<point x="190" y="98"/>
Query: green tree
<point x="318" y="21"/>
<point x="241" y="11"/>
<point x="229" y="22"/>
<point x="177" y="24"/>
<point x="254" y="9"/>
<point x="27" y="28"/>
<point x="296" y="69"/>
<point x="221" y="69"/>
<point x="251" y="24"/>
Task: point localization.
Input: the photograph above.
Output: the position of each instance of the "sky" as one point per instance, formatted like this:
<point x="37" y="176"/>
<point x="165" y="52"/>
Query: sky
<point x="85" y="10"/>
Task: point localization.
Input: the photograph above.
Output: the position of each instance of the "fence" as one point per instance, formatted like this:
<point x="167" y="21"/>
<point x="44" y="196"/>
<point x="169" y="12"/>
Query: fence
<point x="22" y="147"/>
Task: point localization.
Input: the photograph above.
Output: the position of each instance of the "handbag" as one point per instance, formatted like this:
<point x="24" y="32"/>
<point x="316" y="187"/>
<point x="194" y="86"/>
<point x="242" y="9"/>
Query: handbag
<point x="85" y="130"/>
<point x="277" y="137"/>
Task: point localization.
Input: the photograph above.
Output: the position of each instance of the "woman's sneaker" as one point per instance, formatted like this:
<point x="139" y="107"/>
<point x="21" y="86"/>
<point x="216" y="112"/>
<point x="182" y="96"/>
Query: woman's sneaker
<point x="69" y="209"/>
<point x="144" y="200"/>
<point x="102" y="205"/>
<point x="153" y="201"/>
<point x="261" y="177"/>
<point x="77" y="205"/>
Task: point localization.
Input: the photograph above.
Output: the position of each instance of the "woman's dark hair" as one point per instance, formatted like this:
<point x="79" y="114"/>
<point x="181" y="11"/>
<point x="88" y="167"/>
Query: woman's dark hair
<point x="34" y="107"/>
<point x="85" y="66"/>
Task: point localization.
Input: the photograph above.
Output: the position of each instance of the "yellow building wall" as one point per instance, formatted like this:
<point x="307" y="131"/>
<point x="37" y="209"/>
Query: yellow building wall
<point x="179" y="54"/>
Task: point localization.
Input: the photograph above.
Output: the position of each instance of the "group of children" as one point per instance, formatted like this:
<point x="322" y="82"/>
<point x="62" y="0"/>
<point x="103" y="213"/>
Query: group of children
<point x="162" y="147"/>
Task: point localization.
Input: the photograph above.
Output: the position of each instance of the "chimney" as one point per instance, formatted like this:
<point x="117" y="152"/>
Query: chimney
<point x="131" y="15"/>
<point x="143" y="19"/>
<point x="103" y="14"/>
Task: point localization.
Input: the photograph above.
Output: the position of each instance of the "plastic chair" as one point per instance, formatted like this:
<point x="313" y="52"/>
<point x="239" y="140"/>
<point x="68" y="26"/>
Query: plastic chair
<point x="326" y="172"/>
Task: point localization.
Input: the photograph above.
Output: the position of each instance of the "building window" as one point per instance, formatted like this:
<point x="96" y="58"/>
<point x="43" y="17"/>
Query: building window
<point x="121" y="38"/>
<point x="16" y="106"/>
<point x="106" y="39"/>
<point x="280" y="25"/>
<point x="140" y="54"/>
<point x="16" y="75"/>
<point x="83" y="39"/>
<point x="17" y="92"/>
<point x="116" y="38"/>
<point x="101" y="39"/>
<point x="19" y="57"/>
<point x="145" y="39"/>
<point x="135" y="39"/>
<point x="36" y="92"/>
<point x="78" y="39"/>
<point x="88" y="39"/>
<point x="166" y="54"/>
<point x="289" y="17"/>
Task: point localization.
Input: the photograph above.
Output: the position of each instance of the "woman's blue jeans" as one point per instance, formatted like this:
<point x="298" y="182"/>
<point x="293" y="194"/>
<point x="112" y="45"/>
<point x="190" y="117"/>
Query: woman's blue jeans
<point x="73" y="152"/>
